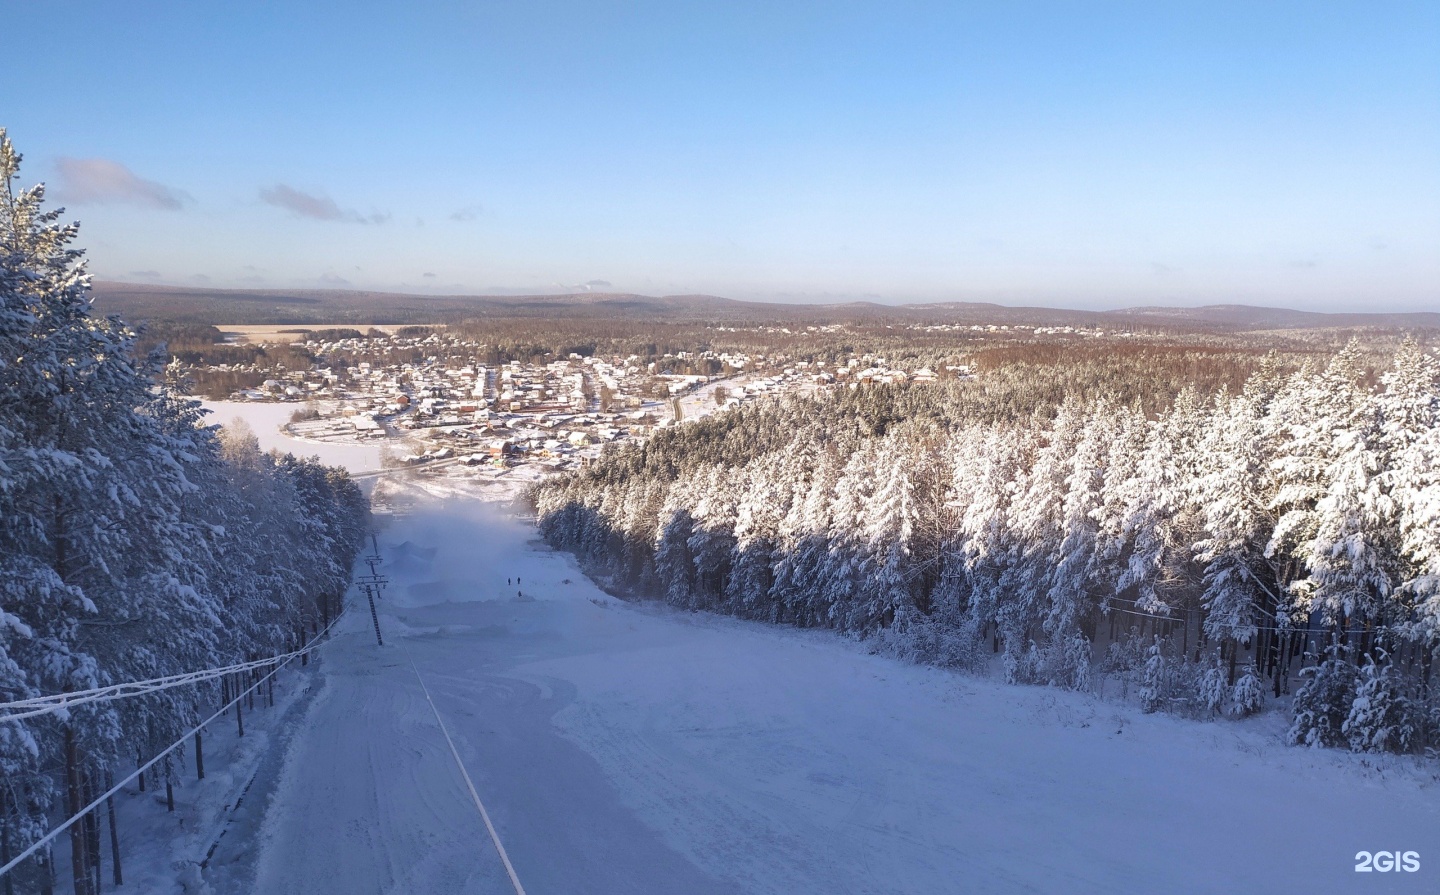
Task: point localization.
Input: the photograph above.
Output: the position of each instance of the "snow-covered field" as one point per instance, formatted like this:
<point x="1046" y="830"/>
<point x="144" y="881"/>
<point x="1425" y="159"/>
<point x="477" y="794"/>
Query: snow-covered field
<point x="631" y="749"/>
<point x="266" y="420"/>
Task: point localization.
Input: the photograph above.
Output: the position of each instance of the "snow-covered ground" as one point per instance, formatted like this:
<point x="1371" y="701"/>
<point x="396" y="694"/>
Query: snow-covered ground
<point x="266" y="419"/>
<point x="631" y="749"/>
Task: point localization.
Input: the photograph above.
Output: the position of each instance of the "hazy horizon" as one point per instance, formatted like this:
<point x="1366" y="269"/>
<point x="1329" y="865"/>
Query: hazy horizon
<point x="816" y="300"/>
<point x="1038" y="154"/>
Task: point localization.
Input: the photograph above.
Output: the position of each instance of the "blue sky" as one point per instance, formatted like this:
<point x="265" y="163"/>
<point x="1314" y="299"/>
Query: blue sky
<point x="1077" y="154"/>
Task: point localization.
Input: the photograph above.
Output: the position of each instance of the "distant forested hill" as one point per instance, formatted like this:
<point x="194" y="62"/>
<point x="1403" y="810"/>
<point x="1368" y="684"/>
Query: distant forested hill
<point x="335" y="306"/>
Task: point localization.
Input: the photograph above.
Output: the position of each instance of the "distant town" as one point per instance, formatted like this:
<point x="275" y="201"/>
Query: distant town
<point x="426" y="398"/>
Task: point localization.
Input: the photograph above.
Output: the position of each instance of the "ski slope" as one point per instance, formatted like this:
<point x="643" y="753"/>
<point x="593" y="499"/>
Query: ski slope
<point x="633" y="749"/>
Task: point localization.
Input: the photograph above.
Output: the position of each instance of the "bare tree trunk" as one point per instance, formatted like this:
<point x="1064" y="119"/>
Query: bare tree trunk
<point x="114" y="832"/>
<point x="92" y="829"/>
<point x="79" y="842"/>
<point x="5" y="842"/>
<point x="46" y="860"/>
<point x="1427" y="660"/>
<point x="1282" y="642"/>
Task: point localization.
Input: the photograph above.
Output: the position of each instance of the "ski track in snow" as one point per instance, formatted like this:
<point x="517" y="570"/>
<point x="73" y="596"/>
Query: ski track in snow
<point x="628" y="748"/>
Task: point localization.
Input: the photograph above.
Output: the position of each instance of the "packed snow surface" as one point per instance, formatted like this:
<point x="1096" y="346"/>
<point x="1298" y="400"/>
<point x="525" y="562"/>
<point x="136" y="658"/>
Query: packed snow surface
<point x="624" y="748"/>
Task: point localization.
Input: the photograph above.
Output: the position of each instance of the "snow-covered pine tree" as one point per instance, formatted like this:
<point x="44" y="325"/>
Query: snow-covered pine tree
<point x="1322" y="702"/>
<point x="1382" y="718"/>
<point x="120" y="517"/>
<point x="1214" y="689"/>
<point x="1410" y="442"/>
<point x="38" y="612"/>
<point x="1352" y="556"/>
<point x="1247" y="696"/>
<point x="1228" y="495"/>
<point x="1153" y="677"/>
<point x="847" y="564"/>
<point x="984" y="484"/>
<point x="1076" y="576"/>
<point x="674" y="565"/>
<point x="887" y="526"/>
<point x="712" y="539"/>
<point x="1160" y="520"/>
<point x="72" y="389"/>
<point x="1037" y="517"/>
<point x="1302" y="426"/>
<point x="1112" y="542"/>
<point x="760" y="507"/>
<point x="800" y="572"/>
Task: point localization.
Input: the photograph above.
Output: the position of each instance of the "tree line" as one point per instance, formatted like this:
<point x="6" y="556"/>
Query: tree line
<point x="135" y="541"/>
<point x="1210" y="550"/>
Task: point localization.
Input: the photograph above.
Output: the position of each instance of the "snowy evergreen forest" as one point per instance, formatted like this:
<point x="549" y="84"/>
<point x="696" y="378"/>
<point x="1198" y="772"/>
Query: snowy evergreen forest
<point x="1206" y="553"/>
<point x="136" y="541"/>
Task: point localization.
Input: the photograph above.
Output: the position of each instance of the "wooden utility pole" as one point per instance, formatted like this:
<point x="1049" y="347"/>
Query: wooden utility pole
<point x="373" y="584"/>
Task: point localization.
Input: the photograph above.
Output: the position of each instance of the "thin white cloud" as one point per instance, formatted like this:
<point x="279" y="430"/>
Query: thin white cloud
<point x="319" y="208"/>
<point x="102" y="181"/>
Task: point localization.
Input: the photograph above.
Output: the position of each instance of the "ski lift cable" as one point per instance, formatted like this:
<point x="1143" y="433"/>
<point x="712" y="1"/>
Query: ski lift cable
<point x="68" y="823"/>
<point x="1179" y="620"/>
<point x="44" y="705"/>
<point x="1282" y="626"/>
